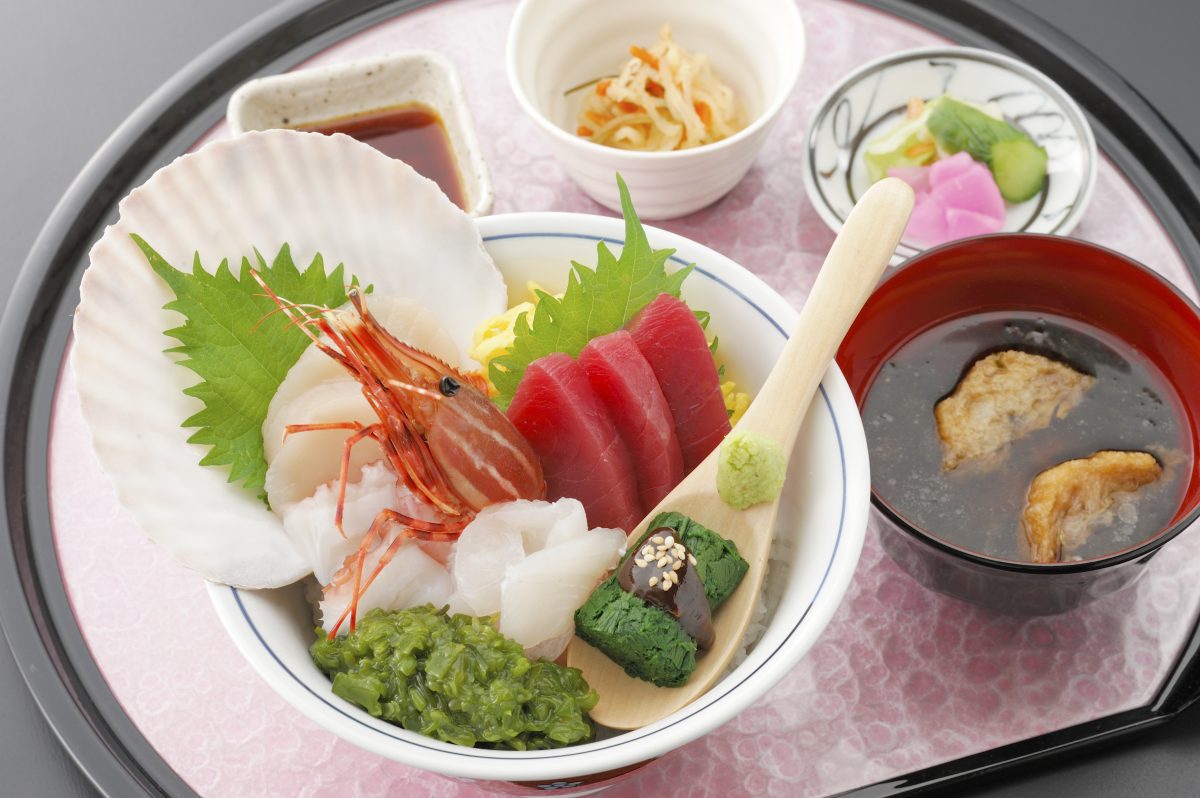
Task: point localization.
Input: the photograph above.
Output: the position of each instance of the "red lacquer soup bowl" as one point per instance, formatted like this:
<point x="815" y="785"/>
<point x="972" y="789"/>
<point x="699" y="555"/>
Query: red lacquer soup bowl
<point x="1035" y="274"/>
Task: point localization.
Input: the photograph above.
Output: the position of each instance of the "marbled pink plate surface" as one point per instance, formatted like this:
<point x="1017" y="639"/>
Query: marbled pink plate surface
<point x="902" y="679"/>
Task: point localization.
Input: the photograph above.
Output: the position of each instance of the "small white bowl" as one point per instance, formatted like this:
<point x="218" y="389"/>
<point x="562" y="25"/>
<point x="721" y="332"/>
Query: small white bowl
<point x="872" y="100"/>
<point x="323" y="94"/>
<point x="553" y="45"/>
<point x="819" y="535"/>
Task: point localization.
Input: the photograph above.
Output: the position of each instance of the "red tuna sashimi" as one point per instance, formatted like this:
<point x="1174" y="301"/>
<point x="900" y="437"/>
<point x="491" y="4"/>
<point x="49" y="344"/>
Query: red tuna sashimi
<point x="674" y="344"/>
<point x="582" y="454"/>
<point x="626" y="384"/>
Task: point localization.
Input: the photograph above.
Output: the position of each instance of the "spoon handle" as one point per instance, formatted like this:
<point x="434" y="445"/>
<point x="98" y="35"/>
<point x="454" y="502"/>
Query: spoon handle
<point x="849" y="275"/>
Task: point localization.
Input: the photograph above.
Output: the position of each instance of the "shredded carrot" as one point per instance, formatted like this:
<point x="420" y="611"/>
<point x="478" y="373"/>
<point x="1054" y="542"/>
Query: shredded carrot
<point x="654" y="89"/>
<point x="599" y="119"/>
<point x="645" y="55"/>
<point x="584" y="131"/>
<point x="704" y="113"/>
<point x="602" y="86"/>
<point x="628" y="107"/>
<point x="924" y="148"/>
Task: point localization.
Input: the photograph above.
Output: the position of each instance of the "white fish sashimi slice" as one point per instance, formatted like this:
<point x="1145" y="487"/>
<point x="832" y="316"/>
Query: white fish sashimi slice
<point x="411" y="579"/>
<point x="318" y="390"/>
<point x="540" y="594"/>
<point x="539" y="522"/>
<point x="482" y="555"/>
<point x="385" y="222"/>
<point x="309" y="522"/>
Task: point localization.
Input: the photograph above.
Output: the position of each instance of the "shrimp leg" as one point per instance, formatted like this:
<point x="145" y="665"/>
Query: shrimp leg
<point x="443" y="531"/>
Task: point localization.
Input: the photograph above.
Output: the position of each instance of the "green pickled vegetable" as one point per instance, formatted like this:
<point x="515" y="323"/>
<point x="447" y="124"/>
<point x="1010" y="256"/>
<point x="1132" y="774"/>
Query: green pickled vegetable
<point x="1017" y="163"/>
<point x="909" y="144"/>
<point x="457" y="679"/>
<point x="647" y="642"/>
<point x="1019" y="167"/>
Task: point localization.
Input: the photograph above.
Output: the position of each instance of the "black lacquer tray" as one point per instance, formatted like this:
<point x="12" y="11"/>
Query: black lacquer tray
<point x="34" y="607"/>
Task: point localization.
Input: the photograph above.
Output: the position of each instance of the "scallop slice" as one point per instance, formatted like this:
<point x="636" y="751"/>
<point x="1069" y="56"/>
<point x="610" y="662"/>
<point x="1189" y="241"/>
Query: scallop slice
<point x="406" y="319"/>
<point x="392" y="229"/>
<point x="318" y="390"/>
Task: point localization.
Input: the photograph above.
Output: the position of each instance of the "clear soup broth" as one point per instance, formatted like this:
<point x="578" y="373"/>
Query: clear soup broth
<point x="978" y="506"/>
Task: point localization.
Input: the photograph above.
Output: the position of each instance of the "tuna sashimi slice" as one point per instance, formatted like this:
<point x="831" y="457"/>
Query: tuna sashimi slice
<point x="626" y="384"/>
<point x="582" y="454"/>
<point x="673" y="343"/>
<point x="961" y="223"/>
<point x="946" y="169"/>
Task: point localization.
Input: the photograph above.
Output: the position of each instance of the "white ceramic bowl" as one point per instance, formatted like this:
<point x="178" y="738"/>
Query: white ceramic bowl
<point x="320" y="94"/>
<point x="821" y="526"/>
<point x="871" y="100"/>
<point x="756" y="47"/>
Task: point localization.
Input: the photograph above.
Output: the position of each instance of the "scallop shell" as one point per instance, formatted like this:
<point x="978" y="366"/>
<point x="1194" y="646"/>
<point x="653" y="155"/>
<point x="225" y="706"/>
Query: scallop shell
<point x="329" y="194"/>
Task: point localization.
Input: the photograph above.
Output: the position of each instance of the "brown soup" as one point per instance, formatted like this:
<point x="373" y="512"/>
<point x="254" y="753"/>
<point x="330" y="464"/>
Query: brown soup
<point x="414" y="134"/>
<point x="978" y="506"/>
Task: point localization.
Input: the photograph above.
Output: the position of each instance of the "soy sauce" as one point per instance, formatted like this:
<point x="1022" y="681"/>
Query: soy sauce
<point x="1131" y="406"/>
<point x="414" y="134"/>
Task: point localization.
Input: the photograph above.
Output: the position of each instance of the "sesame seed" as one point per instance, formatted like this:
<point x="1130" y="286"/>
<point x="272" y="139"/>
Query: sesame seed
<point x="691" y="559"/>
<point x="680" y="550"/>
<point x="639" y="562"/>
<point x="663" y="562"/>
<point x="675" y="566"/>
<point x="656" y="539"/>
<point x="669" y="542"/>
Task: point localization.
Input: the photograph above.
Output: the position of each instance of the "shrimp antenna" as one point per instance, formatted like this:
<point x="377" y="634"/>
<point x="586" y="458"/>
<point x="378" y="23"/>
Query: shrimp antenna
<point x="301" y="320"/>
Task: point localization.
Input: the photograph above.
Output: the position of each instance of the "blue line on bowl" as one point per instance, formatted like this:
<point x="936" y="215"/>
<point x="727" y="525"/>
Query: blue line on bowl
<point x="629" y="737"/>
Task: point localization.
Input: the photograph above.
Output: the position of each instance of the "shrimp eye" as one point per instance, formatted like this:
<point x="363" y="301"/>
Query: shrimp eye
<point x="448" y="386"/>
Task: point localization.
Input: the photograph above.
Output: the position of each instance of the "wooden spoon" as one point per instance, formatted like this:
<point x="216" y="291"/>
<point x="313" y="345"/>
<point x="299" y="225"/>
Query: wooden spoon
<point x="851" y="271"/>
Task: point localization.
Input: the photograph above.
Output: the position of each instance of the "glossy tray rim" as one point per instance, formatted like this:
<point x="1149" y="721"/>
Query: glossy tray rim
<point x="35" y="612"/>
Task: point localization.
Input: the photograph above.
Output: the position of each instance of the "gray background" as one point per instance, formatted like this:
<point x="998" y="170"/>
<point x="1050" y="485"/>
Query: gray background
<point x="70" y="72"/>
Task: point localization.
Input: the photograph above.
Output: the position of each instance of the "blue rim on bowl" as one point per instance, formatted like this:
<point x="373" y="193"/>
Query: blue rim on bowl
<point x="869" y="101"/>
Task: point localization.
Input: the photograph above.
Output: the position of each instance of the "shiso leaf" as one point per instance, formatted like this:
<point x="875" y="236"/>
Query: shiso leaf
<point x="241" y="350"/>
<point x="597" y="301"/>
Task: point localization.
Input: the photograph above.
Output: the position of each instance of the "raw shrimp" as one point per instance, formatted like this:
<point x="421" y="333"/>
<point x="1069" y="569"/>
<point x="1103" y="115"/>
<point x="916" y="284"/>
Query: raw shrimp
<point x="440" y="434"/>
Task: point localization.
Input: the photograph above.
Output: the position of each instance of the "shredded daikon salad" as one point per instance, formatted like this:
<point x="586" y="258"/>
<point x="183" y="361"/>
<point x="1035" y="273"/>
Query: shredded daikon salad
<point x="664" y="98"/>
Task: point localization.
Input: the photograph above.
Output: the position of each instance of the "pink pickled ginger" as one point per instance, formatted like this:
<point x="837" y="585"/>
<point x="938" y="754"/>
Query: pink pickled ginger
<point x="956" y="197"/>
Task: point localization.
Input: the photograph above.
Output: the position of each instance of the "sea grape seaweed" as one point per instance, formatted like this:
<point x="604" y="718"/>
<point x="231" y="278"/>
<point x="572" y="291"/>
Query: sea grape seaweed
<point x="457" y="679"/>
